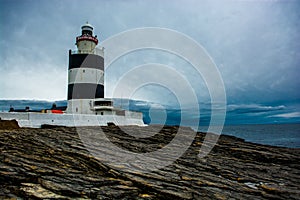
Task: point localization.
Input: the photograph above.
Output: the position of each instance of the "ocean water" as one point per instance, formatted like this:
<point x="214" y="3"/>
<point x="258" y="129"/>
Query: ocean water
<point x="284" y="135"/>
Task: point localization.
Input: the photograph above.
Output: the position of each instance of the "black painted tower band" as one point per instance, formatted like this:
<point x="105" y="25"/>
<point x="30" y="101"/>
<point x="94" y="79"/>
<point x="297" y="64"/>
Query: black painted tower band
<point x="85" y="91"/>
<point x="86" y="61"/>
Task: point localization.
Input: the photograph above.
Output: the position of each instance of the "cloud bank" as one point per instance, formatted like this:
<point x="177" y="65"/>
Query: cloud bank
<point x="253" y="43"/>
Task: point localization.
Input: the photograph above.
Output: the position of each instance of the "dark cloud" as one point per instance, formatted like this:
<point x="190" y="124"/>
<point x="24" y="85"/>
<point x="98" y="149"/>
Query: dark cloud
<point x="253" y="43"/>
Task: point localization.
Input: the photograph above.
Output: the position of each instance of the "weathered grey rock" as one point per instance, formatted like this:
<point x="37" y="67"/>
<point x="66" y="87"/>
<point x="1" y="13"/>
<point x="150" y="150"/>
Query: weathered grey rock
<point x="54" y="164"/>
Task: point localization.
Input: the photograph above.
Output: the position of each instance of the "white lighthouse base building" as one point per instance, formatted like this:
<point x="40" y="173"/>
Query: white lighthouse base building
<point x="100" y="112"/>
<point x="36" y="120"/>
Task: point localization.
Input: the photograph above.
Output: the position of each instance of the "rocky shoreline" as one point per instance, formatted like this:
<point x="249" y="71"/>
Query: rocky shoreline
<point x="52" y="163"/>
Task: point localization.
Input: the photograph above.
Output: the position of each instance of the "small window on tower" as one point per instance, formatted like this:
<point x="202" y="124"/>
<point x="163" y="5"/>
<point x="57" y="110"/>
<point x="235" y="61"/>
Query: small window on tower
<point x="84" y="71"/>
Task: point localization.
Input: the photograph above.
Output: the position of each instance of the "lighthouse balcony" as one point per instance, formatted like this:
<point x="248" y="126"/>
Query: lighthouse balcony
<point x="102" y="104"/>
<point x="97" y="51"/>
<point x="87" y="37"/>
<point x="109" y="110"/>
<point x="95" y="108"/>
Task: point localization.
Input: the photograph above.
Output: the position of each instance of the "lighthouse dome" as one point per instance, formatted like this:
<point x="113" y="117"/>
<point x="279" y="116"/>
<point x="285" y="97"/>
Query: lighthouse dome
<point x="87" y="27"/>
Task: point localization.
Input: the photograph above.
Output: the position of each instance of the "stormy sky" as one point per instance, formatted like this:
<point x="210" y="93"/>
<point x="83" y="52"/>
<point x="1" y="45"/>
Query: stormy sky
<point x="254" y="44"/>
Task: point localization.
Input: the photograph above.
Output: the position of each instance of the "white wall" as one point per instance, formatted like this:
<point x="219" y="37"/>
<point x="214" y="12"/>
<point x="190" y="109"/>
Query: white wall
<point x="35" y="120"/>
<point x="86" y="75"/>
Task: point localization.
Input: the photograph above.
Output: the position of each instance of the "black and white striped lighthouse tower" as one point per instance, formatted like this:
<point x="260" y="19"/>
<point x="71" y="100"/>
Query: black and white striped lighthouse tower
<point x="86" y="75"/>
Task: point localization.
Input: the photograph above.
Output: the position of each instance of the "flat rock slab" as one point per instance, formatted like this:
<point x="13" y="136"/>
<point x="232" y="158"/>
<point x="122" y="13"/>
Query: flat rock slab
<point x="53" y="163"/>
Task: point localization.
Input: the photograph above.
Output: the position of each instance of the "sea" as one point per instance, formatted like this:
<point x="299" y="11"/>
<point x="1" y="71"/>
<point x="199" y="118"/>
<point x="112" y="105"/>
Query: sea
<point x="281" y="135"/>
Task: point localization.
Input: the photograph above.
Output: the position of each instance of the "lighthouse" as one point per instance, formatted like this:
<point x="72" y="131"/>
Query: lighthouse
<point x="86" y="75"/>
<point x="87" y="105"/>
